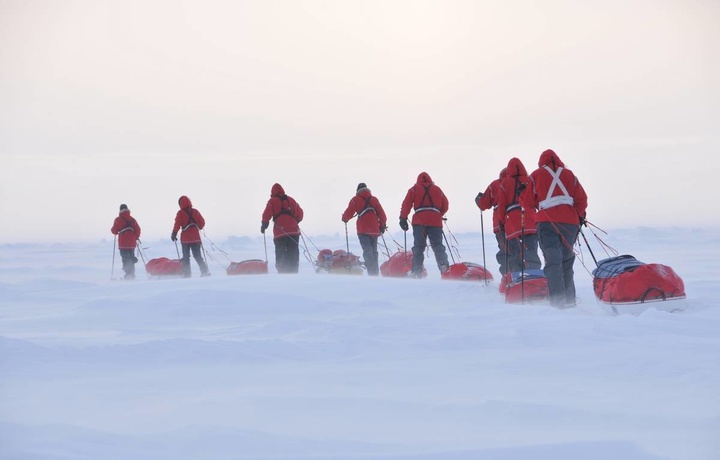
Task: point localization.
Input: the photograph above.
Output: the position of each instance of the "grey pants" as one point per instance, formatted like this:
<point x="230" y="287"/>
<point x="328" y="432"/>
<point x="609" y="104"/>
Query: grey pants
<point x="421" y="234"/>
<point x="501" y="255"/>
<point x="523" y="257"/>
<point x="197" y="254"/>
<point x="370" y="253"/>
<point x="556" y="242"/>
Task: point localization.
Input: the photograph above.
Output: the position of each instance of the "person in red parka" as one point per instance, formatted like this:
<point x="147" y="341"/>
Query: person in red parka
<point x="561" y="203"/>
<point x="486" y="200"/>
<point x="190" y="221"/>
<point x="517" y="220"/>
<point x="430" y="205"/>
<point x="128" y="231"/>
<point x="286" y="215"/>
<point x="371" y="223"/>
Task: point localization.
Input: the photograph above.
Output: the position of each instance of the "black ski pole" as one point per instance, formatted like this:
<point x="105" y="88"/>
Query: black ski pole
<point x="387" y="250"/>
<point x="265" y="245"/>
<point x="347" y="239"/>
<point x="522" y="255"/>
<point x="405" y="250"/>
<point x="142" y="256"/>
<point x="588" y="246"/>
<point x="482" y="238"/>
<point x="449" y="250"/>
<point x="112" y="268"/>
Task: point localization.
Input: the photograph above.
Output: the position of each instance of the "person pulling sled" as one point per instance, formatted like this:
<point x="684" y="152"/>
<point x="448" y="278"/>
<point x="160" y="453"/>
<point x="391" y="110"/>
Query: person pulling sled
<point x="128" y="233"/>
<point x="371" y="223"/>
<point x="190" y="221"/>
<point x="430" y="205"/>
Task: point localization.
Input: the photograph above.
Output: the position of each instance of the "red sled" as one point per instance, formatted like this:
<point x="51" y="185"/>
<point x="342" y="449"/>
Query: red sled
<point x="399" y="265"/>
<point x="626" y="280"/>
<point x="162" y="266"/>
<point x="248" y="267"/>
<point x="338" y="262"/>
<point x="466" y="271"/>
<point x="529" y="286"/>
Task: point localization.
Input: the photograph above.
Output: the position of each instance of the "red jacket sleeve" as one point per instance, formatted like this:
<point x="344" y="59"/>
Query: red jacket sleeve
<point x="350" y="211"/>
<point x="199" y="219"/>
<point x="407" y="203"/>
<point x="382" y="218"/>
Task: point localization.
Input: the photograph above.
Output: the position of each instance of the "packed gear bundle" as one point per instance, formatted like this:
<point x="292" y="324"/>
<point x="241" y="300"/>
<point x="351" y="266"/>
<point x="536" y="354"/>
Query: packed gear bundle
<point x="164" y="267"/>
<point x="399" y="265"/>
<point x="462" y="271"/>
<point x="338" y="262"/>
<point x="529" y="286"/>
<point x="466" y="271"/>
<point x="625" y="280"/>
<point x="248" y="267"/>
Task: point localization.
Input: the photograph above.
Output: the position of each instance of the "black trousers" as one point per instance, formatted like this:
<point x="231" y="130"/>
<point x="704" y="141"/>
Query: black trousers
<point x="128" y="262"/>
<point x="287" y="254"/>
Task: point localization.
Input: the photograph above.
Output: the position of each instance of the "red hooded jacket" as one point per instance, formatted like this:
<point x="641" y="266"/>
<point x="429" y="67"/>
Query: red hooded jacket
<point x="428" y="200"/>
<point x="555" y="192"/>
<point x="189" y="220"/>
<point x="284" y="211"/>
<point x="127" y="229"/>
<point x="509" y="207"/>
<point x="371" y="215"/>
<point x="489" y="199"/>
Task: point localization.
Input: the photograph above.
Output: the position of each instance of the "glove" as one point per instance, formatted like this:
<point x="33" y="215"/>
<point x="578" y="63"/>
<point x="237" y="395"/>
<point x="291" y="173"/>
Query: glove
<point x="583" y="221"/>
<point x="173" y="236"/>
<point x="404" y="224"/>
<point x="264" y="226"/>
<point x="382" y="229"/>
<point x="479" y="195"/>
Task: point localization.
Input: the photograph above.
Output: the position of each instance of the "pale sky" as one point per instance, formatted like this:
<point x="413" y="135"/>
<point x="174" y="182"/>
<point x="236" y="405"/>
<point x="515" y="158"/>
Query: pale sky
<point x="141" y="101"/>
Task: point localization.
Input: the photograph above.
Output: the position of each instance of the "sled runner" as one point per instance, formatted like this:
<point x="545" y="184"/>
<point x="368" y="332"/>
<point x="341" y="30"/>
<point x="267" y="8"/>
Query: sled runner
<point x="338" y="262"/>
<point x="162" y="266"/>
<point x="529" y="286"/>
<point x="466" y="271"/>
<point x="399" y="265"/>
<point x="624" y="280"/>
<point x="248" y="267"/>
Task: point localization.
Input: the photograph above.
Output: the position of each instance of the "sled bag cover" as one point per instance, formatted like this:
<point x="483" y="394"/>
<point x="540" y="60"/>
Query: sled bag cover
<point x="528" y="286"/>
<point x="247" y="267"/>
<point x="626" y="279"/>
<point x="162" y="266"/>
<point x="398" y="265"/>
<point x="466" y="271"/>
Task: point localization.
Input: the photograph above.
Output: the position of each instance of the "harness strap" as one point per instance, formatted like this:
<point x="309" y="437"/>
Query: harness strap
<point x="368" y="207"/>
<point x="191" y="221"/>
<point x="128" y="225"/>
<point x="284" y="210"/>
<point x="551" y="201"/>
<point x="432" y="206"/>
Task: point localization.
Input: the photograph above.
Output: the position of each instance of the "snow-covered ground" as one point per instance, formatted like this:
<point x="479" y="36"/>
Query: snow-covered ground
<point x="319" y="366"/>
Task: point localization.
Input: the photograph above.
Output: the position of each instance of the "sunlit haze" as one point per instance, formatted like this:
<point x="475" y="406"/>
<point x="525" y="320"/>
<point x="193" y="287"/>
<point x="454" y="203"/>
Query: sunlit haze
<point x="139" y="102"/>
